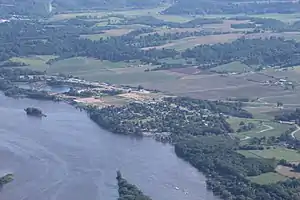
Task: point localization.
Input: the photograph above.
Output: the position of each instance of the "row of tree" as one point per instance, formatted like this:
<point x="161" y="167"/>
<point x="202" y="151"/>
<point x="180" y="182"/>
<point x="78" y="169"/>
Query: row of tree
<point x="202" y="7"/>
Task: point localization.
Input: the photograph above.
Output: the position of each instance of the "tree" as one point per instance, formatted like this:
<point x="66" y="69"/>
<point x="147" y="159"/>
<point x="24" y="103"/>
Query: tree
<point x="279" y="104"/>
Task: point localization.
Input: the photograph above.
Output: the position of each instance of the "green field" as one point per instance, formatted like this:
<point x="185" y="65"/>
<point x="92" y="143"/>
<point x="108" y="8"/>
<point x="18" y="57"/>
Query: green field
<point x="95" y="36"/>
<point x="155" y="12"/>
<point x="267" y="178"/>
<point x="235" y="121"/>
<point x="37" y="62"/>
<point x="265" y="130"/>
<point x="232" y="67"/>
<point x="106" y="71"/>
<point x="277" y="153"/>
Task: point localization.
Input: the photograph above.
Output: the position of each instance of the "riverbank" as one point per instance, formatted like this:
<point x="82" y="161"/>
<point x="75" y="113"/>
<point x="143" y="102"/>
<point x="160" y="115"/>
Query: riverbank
<point x="5" y="179"/>
<point x="68" y="156"/>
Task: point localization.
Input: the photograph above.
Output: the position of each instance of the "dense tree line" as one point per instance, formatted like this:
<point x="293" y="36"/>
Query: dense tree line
<point x="265" y="52"/>
<point x="5" y="179"/>
<point x="154" y="22"/>
<point x="43" y="7"/>
<point x="227" y="171"/>
<point x="128" y="191"/>
<point x="266" y="24"/>
<point x="156" y="39"/>
<point x="289" y="116"/>
<point x="201" y="7"/>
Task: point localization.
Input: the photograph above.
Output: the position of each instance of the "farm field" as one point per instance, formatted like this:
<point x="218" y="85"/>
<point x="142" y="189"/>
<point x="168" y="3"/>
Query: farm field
<point x="155" y="12"/>
<point x="232" y="67"/>
<point x="105" y="71"/>
<point x="267" y="178"/>
<point x="36" y="62"/>
<point x="276" y="152"/>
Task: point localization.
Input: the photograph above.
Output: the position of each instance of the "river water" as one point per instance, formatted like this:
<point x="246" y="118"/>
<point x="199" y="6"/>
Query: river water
<point x="65" y="156"/>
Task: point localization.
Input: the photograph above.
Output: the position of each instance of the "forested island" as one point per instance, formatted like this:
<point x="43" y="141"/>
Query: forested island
<point x="34" y="112"/>
<point x="5" y="179"/>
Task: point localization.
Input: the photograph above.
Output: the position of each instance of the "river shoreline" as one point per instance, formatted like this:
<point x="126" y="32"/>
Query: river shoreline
<point x="137" y="171"/>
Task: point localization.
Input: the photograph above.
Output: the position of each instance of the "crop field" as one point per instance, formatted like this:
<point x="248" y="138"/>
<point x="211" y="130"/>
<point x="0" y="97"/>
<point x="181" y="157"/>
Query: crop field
<point x="267" y="178"/>
<point x="277" y="152"/>
<point x="200" y="85"/>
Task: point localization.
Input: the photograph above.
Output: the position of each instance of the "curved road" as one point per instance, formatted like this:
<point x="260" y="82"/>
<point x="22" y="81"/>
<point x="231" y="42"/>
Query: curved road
<point x="67" y="157"/>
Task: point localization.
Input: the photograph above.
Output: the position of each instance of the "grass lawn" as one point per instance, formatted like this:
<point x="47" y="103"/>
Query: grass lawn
<point x="277" y="153"/>
<point x="36" y="62"/>
<point x="235" y="66"/>
<point x="267" y="178"/>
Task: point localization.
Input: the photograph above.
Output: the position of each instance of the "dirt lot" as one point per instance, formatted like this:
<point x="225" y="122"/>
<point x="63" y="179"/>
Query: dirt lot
<point x="186" y="71"/>
<point x="287" y="171"/>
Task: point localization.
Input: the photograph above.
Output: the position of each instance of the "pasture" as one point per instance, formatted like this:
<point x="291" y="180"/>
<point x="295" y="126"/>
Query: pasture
<point x="266" y="129"/>
<point x="267" y="178"/>
<point x="36" y="62"/>
<point x="106" y="71"/>
<point x="155" y="12"/>
<point x="275" y="152"/>
<point x="232" y="67"/>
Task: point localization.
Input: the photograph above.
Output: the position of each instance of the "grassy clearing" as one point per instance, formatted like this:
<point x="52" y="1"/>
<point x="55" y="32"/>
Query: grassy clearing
<point x="37" y="62"/>
<point x="94" y="37"/>
<point x="267" y="178"/>
<point x="266" y="130"/>
<point x="235" y="66"/>
<point x="262" y="112"/>
<point x="235" y="121"/>
<point x="82" y="63"/>
<point x="278" y="153"/>
<point x="106" y="34"/>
